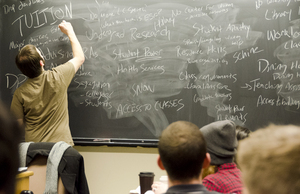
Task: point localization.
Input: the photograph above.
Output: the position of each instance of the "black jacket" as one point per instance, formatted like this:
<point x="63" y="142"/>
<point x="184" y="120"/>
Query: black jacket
<point x="70" y="169"/>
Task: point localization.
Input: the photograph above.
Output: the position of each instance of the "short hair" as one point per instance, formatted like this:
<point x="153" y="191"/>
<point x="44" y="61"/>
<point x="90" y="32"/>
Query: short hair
<point x="182" y="150"/>
<point x="28" y="61"/>
<point x="269" y="160"/>
<point x="10" y="137"/>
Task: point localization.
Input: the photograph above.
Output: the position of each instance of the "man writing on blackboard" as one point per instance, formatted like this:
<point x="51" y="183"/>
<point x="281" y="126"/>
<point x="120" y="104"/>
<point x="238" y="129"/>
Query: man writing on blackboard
<point x="41" y="103"/>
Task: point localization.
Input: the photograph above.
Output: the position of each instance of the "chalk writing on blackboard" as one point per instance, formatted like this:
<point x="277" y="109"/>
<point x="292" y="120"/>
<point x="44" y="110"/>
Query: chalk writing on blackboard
<point x="150" y="63"/>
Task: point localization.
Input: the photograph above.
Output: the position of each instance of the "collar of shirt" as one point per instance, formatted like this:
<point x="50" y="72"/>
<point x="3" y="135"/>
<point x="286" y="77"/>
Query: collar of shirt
<point x="186" y="188"/>
<point x="227" y="166"/>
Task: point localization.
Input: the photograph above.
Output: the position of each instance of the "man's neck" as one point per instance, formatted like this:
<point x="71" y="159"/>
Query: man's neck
<point x="193" y="181"/>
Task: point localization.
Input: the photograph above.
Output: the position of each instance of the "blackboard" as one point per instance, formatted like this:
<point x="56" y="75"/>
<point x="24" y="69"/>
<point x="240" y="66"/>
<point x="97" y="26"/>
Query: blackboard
<point x="152" y="62"/>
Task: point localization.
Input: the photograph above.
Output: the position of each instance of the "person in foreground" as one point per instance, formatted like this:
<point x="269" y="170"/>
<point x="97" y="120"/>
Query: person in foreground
<point x="41" y="103"/>
<point x="221" y="140"/>
<point x="10" y="137"/>
<point x="269" y="159"/>
<point x="182" y="153"/>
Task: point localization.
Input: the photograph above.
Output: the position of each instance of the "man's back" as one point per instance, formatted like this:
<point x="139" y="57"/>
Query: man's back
<point x="43" y="101"/>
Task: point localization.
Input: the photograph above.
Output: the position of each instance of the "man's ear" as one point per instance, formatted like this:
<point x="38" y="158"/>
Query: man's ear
<point x="42" y="63"/>
<point x="206" y="161"/>
<point x="159" y="163"/>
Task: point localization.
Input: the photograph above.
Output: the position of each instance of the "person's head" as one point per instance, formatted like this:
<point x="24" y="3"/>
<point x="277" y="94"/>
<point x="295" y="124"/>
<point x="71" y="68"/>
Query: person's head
<point x="182" y="151"/>
<point x="10" y="137"/>
<point x="242" y="132"/>
<point x="29" y="61"/>
<point x="269" y="160"/>
<point x="221" y="141"/>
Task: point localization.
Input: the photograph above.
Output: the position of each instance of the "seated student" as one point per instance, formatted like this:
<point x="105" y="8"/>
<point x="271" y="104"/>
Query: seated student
<point x="269" y="159"/>
<point x="182" y="153"/>
<point x="241" y="133"/>
<point x="10" y="137"/>
<point x="221" y="142"/>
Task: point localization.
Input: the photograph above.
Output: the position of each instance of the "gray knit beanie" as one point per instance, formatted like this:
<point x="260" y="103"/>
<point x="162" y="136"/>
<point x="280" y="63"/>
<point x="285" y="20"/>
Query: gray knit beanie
<point x="221" y="141"/>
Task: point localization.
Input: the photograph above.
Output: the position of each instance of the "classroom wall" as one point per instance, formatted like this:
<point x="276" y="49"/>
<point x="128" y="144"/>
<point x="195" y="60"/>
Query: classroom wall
<point x="114" y="170"/>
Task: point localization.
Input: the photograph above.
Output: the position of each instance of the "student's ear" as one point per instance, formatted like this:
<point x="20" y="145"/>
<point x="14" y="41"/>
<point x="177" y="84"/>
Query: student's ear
<point x="159" y="163"/>
<point x="206" y="161"/>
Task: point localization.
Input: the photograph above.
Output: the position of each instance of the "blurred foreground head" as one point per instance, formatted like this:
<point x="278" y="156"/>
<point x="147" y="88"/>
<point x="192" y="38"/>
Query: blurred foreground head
<point x="269" y="160"/>
<point x="10" y="137"/>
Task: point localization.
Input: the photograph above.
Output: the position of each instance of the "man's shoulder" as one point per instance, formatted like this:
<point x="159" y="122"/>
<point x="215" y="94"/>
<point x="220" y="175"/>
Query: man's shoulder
<point x="23" y="86"/>
<point x="67" y="65"/>
<point x="64" y="72"/>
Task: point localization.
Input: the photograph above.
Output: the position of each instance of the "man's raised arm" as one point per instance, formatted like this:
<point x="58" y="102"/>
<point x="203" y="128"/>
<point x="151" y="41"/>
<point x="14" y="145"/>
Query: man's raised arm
<point x="78" y="55"/>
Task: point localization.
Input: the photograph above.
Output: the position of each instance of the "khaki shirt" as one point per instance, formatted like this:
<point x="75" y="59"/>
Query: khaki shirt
<point x="43" y="104"/>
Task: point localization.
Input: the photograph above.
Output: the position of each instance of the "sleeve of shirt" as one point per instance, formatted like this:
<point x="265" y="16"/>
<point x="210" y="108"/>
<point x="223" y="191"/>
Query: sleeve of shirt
<point x="16" y="106"/>
<point x="67" y="72"/>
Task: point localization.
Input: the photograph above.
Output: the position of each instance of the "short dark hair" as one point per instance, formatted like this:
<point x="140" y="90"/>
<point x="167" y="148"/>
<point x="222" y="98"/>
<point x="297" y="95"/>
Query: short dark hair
<point x="182" y="150"/>
<point x="28" y="61"/>
<point x="10" y="137"/>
